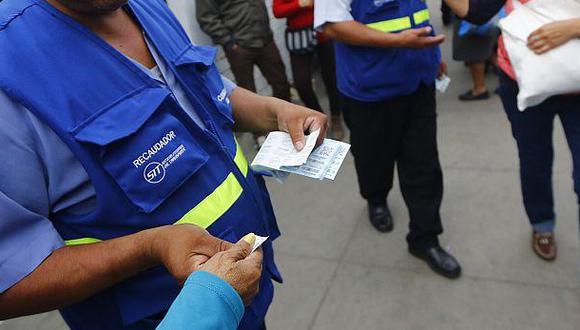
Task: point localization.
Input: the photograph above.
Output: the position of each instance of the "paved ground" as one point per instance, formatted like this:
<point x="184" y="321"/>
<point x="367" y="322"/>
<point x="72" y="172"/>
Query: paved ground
<point x="341" y="274"/>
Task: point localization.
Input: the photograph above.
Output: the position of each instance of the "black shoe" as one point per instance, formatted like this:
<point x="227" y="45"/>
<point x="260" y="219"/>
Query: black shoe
<point x="381" y="217"/>
<point x="470" y="96"/>
<point x="439" y="260"/>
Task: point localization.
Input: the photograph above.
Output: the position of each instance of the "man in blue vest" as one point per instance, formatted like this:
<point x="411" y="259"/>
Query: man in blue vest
<point x="387" y="62"/>
<point x="121" y="175"/>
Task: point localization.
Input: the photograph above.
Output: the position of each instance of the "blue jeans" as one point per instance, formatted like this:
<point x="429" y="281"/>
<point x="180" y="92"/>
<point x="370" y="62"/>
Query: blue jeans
<point x="533" y="131"/>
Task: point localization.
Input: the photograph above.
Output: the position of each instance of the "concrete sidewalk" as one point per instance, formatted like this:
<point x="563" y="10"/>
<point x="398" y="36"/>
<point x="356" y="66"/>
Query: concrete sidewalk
<point x="342" y="274"/>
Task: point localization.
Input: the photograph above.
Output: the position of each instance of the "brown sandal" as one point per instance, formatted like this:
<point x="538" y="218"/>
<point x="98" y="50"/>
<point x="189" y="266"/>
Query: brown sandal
<point x="544" y="245"/>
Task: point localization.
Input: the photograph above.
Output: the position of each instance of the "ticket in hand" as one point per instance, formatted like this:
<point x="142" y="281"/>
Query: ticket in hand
<point x="442" y="83"/>
<point x="259" y="241"/>
<point x="278" y="157"/>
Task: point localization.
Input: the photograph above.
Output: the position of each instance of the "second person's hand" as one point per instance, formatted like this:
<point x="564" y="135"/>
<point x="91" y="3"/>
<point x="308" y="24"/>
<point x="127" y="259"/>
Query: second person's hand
<point x="419" y="38"/>
<point x="239" y="267"/>
<point x="443" y="70"/>
<point x="182" y="249"/>
<point x="553" y="35"/>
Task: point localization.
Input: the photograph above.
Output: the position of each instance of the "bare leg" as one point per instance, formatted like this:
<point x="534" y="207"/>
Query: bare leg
<point x="479" y="90"/>
<point x="477" y="70"/>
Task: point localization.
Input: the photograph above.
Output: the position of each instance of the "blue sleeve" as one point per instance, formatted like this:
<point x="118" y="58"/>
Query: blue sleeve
<point x="27" y="237"/>
<point x="206" y="302"/>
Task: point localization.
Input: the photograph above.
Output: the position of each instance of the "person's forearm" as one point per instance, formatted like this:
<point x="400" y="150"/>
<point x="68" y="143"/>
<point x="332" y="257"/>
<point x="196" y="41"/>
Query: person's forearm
<point x="71" y="274"/>
<point x="576" y="27"/>
<point x="357" y="34"/>
<point x="459" y="7"/>
<point x="253" y="112"/>
<point x="204" y="290"/>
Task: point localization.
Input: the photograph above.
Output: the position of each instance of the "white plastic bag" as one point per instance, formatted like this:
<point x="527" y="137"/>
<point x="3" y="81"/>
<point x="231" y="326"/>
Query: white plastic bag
<point x="553" y="73"/>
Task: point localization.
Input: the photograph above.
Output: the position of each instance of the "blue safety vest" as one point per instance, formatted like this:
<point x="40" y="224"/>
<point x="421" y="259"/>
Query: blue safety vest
<point x="150" y="164"/>
<point x="375" y="74"/>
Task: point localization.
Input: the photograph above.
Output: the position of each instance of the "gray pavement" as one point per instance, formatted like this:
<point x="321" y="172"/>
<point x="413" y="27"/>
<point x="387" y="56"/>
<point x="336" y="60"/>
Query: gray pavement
<point x="341" y="274"/>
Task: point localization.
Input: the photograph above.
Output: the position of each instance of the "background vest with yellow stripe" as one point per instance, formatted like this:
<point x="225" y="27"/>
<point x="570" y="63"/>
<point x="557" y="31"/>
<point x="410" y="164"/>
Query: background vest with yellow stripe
<point x="374" y="74"/>
<point x="150" y="164"/>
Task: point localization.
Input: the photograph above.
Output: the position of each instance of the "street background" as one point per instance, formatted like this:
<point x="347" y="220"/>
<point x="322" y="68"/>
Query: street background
<point x="341" y="274"/>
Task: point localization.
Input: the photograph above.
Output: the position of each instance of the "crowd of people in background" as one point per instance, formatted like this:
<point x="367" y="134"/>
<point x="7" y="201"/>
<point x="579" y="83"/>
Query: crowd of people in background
<point x="243" y="30"/>
<point x="475" y="43"/>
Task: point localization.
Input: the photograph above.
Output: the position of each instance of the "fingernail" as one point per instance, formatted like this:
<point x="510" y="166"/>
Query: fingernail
<point x="299" y="145"/>
<point x="250" y="239"/>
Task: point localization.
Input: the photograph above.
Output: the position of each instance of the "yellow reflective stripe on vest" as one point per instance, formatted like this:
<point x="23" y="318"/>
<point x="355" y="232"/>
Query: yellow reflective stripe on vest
<point x="210" y="208"/>
<point x="81" y="241"/>
<point x="403" y="23"/>
<point x="392" y="25"/>
<point x="215" y="205"/>
<point x="241" y="160"/>
<point x="421" y="16"/>
<point x="221" y="199"/>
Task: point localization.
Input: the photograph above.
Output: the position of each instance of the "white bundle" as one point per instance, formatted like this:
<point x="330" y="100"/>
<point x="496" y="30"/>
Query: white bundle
<point x="553" y="73"/>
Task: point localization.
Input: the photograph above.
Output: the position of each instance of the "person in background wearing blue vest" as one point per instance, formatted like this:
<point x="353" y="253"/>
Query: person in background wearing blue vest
<point x="121" y="175"/>
<point x="387" y="61"/>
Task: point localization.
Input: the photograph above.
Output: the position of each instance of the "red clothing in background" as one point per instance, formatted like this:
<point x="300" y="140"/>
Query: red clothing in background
<point x="481" y="11"/>
<point x="503" y="59"/>
<point x="297" y="17"/>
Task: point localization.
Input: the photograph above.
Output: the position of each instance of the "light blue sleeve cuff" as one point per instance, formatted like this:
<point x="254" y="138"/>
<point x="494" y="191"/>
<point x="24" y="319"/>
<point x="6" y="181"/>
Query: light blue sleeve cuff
<point x="205" y="302"/>
<point x="229" y="85"/>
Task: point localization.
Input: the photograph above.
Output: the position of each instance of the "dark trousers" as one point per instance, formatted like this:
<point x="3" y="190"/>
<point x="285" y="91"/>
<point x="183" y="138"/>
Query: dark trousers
<point x="302" y="70"/>
<point x="401" y="130"/>
<point x="445" y="9"/>
<point x="268" y="60"/>
<point x="533" y="130"/>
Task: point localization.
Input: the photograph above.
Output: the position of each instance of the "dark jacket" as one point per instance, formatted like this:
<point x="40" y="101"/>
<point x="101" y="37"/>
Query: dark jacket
<point x="481" y="11"/>
<point x="229" y="22"/>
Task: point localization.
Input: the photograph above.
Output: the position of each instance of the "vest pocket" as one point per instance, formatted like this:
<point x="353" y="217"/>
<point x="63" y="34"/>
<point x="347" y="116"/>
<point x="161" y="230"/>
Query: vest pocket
<point x="146" y="150"/>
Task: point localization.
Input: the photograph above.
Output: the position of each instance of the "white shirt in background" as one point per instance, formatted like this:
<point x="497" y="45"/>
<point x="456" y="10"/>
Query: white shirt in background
<point x="331" y="11"/>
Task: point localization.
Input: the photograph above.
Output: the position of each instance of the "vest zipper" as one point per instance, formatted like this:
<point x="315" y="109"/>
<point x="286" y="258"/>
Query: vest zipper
<point x="215" y="136"/>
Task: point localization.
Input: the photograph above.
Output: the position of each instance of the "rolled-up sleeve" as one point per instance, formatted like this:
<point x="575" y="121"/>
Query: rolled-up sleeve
<point x="27" y="236"/>
<point x="331" y="11"/>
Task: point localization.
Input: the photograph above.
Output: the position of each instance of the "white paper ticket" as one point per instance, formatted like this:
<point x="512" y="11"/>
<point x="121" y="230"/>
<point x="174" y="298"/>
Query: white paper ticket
<point x="442" y="83"/>
<point x="278" y="150"/>
<point x="277" y="157"/>
<point x="324" y="162"/>
<point x="259" y="241"/>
